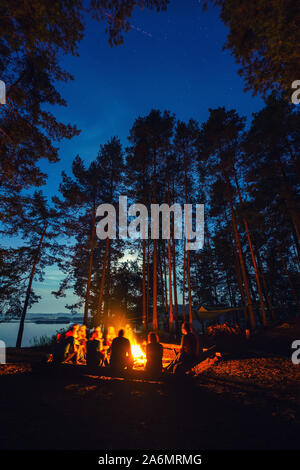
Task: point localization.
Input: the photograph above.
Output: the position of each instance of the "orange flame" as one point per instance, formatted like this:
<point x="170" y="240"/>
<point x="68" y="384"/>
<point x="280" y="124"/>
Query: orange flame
<point x="138" y="354"/>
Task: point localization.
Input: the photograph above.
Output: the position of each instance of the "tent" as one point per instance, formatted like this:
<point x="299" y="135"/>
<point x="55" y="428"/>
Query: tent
<point x="211" y="313"/>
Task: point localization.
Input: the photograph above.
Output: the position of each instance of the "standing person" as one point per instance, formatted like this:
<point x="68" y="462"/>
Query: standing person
<point x="121" y="357"/>
<point x="188" y="353"/>
<point x="154" y="354"/>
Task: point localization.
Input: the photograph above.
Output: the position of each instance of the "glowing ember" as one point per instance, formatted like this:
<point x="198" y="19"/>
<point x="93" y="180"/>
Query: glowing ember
<point x="138" y="354"/>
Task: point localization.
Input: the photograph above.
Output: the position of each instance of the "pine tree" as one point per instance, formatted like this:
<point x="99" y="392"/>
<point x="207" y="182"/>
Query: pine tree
<point x="185" y="146"/>
<point x="263" y="35"/>
<point x="153" y="132"/>
<point x="81" y="195"/>
<point x="220" y="143"/>
<point x="36" y="224"/>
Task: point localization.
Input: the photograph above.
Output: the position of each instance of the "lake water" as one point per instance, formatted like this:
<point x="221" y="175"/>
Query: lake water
<point x="33" y="332"/>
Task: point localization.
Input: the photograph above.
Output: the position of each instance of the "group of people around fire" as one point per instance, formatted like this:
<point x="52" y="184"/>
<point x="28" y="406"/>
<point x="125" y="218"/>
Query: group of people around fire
<point x="79" y="347"/>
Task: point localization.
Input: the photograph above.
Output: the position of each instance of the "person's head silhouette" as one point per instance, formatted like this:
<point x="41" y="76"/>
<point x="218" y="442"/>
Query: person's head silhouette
<point x="121" y="333"/>
<point x="152" y="338"/>
<point x="185" y="328"/>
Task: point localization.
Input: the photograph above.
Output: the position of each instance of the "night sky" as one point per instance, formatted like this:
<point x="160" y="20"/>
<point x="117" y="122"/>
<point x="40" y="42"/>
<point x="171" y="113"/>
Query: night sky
<point x="181" y="67"/>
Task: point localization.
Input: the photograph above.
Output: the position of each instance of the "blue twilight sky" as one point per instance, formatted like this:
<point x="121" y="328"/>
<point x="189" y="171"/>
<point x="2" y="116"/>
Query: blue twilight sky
<point x="181" y="68"/>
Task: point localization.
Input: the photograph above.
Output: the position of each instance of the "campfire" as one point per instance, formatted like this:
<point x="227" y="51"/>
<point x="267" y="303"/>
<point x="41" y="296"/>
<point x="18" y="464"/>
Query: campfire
<point x="138" y="355"/>
<point x="137" y="351"/>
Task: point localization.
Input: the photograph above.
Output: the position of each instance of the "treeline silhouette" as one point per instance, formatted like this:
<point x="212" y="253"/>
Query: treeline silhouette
<point x="247" y="177"/>
<point x="248" y="181"/>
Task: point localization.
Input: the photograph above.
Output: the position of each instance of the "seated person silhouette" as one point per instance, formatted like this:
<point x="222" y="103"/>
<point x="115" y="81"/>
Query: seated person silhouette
<point x="69" y="344"/>
<point x="81" y="345"/>
<point x="121" y="357"/>
<point x="154" y="354"/>
<point x="94" y="354"/>
<point x="188" y="354"/>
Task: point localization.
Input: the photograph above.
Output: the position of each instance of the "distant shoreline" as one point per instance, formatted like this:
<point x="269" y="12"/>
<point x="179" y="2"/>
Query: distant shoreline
<point x="46" y="318"/>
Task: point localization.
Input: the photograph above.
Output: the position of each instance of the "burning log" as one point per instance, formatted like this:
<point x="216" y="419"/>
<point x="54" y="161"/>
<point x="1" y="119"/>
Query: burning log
<point x="138" y="355"/>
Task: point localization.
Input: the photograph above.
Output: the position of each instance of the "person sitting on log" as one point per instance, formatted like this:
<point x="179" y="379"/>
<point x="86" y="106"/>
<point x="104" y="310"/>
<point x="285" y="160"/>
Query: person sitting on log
<point x="154" y="354"/>
<point x="70" y="344"/>
<point x="94" y="353"/>
<point x="110" y="336"/>
<point x="99" y="337"/>
<point x="121" y="357"/>
<point x="188" y="353"/>
<point x="81" y="345"/>
<point x="59" y="349"/>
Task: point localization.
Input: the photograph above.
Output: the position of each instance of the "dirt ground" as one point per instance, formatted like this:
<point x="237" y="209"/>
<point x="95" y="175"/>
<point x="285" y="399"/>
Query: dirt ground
<point x="246" y="402"/>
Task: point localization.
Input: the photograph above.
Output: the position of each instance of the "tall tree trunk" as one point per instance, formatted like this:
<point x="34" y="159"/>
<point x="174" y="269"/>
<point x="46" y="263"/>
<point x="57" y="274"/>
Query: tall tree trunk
<point x="293" y="157"/>
<point x="102" y="283"/>
<point x="240" y="281"/>
<point x="183" y="280"/>
<point x="28" y="291"/>
<point x="144" y="286"/>
<point x="243" y="268"/>
<point x="175" y="280"/>
<point x="107" y="312"/>
<point x="290" y="203"/>
<point x="173" y="245"/>
<point x="294" y="246"/>
<point x="171" y="319"/>
<point x="229" y="288"/>
<point x="211" y="264"/>
<point x="296" y="242"/>
<point x="165" y="278"/>
<point x="266" y="292"/>
<point x="289" y="279"/>
<point x="261" y="300"/>
<point x="260" y="294"/>
<point x="154" y="315"/>
<point x="189" y="288"/>
<point x="88" y="287"/>
<point x="148" y="281"/>
<point x="238" y="272"/>
<point x="252" y="291"/>
<point x="188" y="251"/>
<point x="164" y="296"/>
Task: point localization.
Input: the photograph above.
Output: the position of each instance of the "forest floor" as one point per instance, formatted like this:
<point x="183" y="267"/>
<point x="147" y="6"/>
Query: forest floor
<point x="247" y="400"/>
